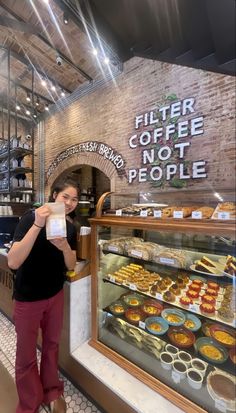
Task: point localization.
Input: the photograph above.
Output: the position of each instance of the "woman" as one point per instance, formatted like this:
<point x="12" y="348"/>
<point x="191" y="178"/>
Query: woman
<point x="40" y="266"/>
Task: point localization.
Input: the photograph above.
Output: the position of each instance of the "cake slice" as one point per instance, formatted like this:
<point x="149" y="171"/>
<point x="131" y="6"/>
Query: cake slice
<point x="200" y="266"/>
<point x="207" y="262"/>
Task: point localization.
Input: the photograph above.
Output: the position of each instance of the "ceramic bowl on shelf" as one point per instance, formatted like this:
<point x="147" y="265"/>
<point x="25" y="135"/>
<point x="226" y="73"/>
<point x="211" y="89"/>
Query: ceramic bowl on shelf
<point x="232" y="355"/>
<point x="152" y="308"/>
<point x="192" y="322"/>
<point x="181" y="337"/>
<point x="223" y="335"/>
<point x="206" y="328"/>
<point x="156" y="325"/>
<point x="134" y="315"/>
<point x="133" y="300"/>
<point x="117" y="308"/>
<point x="210" y="350"/>
<point x="173" y="317"/>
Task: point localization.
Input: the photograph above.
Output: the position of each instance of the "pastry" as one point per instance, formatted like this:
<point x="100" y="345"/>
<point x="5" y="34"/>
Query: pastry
<point x="206" y="298"/>
<point x="197" y="281"/>
<point x="192" y="294"/>
<point x="169" y="296"/>
<point x="200" y="266"/>
<point x="185" y="301"/>
<point x="230" y="269"/>
<point x="213" y="285"/>
<point x="175" y="289"/>
<point x="195" y="287"/>
<point x="168" y="212"/>
<point x="211" y="291"/>
<point x="225" y="313"/>
<point x="167" y="281"/>
<point x="207" y="309"/>
<point x="206" y="211"/>
<point x="209" y="263"/>
<point x="181" y="283"/>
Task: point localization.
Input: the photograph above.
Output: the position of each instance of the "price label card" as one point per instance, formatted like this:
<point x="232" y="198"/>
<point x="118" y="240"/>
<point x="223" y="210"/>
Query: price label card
<point x="175" y="376"/>
<point x="220" y="405"/>
<point x="135" y="253"/>
<point x="197" y="214"/>
<point x="178" y="214"/>
<point x="132" y="287"/>
<point x="158" y="296"/>
<point x="142" y="325"/>
<point x="223" y="215"/>
<point x="112" y="248"/>
<point x="143" y="213"/>
<point x="119" y="212"/>
<point x="168" y="261"/>
<point x="112" y="279"/>
<point x="157" y="214"/>
<point x="194" y="308"/>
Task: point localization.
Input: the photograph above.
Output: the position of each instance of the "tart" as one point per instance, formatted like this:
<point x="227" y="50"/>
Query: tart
<point x="185" y="301"/>
<point x="192" y="294"/>
<point x="213" y="285"/>
<point x="197" y="281"/>
<point x="211" y="291"/>
<point x="142" y="286"/>
<point x="175" y="289"/>
<point x="195" y="287"/>
<point x="206" y="298"/>
<point x="225" y="313"/>
<point x="181" y="283"/>
<point x="169" y="296"/>
<point x="207" y="309"/>
<point x="167" y="281"/>
<point x="183" y="277"/>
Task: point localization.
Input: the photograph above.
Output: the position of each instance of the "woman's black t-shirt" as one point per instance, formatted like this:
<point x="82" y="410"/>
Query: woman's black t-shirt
<point x="42" y="274"/>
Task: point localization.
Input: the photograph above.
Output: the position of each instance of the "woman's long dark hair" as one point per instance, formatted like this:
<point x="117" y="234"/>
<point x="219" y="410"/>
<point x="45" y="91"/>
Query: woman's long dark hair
<point x="60" y="186"/>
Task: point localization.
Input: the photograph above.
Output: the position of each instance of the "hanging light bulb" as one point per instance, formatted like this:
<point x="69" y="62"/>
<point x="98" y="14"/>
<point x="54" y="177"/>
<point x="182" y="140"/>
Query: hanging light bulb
<point x="46" y="107"/>
<point x="17" y="106"/>
<point x="95" y="52"/>
<point x="53" y="88"/>
<point x="62" y="93"/>
<point x="27" y="112"/>
<point x="106" y="60"/>
<point x="43" y="82"/>
<point x="65" y="18"/>
<point x="37" y="102"/>
<point x="28" y="97"/>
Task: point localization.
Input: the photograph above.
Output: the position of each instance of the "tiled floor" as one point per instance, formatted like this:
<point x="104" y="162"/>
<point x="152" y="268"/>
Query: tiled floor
<point x="76" y="401"/>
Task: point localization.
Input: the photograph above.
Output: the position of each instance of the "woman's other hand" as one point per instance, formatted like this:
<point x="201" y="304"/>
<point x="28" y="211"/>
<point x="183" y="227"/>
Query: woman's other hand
<point x="41" y="215"/>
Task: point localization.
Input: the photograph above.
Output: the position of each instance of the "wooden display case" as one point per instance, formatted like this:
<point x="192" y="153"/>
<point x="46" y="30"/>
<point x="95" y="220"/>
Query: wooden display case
<point x="131" y="255"/>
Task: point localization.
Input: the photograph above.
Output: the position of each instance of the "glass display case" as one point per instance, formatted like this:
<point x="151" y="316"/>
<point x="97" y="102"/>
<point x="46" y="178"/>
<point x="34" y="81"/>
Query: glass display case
<point x="163" y="297"/>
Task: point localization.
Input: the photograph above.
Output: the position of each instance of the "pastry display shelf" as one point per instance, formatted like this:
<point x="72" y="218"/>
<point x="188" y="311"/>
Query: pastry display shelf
<point x="191" y="309"/>
<point x="217" y="238"/>
<point x="16" y="153"/>
<point x="227" y="366"/>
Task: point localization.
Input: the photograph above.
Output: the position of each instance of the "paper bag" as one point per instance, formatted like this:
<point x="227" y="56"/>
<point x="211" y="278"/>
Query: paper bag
<point x="56" y="222"/>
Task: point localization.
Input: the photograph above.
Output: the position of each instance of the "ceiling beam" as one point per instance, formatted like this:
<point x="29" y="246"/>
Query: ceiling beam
<point x="23" y="59"/>
<point x="17" y="25"/>
<point x="27" y="89"/>
<point x="46" y="41"/>
<point x="95" y="24"/>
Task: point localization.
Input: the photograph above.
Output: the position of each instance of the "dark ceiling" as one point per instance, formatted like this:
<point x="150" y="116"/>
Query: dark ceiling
<point x="194" y="33"/>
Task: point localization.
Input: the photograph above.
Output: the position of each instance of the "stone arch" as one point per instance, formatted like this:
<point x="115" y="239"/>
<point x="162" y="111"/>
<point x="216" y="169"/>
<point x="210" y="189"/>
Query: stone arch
<point x="77" y="160"/>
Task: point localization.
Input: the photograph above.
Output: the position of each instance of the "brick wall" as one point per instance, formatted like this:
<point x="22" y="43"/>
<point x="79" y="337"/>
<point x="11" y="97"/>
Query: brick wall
<point x="108" y="114"/>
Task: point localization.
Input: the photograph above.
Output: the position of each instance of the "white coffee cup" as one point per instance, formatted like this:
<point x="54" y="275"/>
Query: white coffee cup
<point x="166" y="360"/>
<point x="195" y="378"/>
<point x="199" y="365"/>
<point x="172" y="350"/>
<point x="185" y="357"/>
<point x="180" y="367"/>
